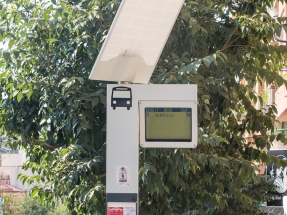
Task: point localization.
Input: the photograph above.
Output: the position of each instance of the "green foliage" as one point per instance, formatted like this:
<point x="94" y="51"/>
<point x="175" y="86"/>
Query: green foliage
<point x="11" y="203"/>
<point x="51" y="109"/>
<point x="29" y="206"/>
<point x="20" y="205"/>
<point x="265" y="96"/>
<point x="60" y="114"/>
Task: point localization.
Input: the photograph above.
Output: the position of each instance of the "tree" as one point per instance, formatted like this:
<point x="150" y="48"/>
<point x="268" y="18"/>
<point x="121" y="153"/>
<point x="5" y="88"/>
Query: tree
<point x="19" y="205"/>
<point x="29" y="206"/>
<point x="10" y="203"/>
<point x="51" y="109"/>
<point x="61" y="115"/>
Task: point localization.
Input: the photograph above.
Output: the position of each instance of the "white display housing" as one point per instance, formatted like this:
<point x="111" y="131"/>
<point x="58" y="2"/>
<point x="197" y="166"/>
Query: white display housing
<point x="171" y="124"/>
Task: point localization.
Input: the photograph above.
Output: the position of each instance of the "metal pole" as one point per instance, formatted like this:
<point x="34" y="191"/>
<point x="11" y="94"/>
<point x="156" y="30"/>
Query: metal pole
<point x="123" y="82"/>
<point x="281" y="129"/>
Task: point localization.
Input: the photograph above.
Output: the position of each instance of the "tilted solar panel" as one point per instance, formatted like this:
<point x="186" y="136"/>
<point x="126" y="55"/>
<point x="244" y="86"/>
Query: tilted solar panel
<point x="135" y="40"/>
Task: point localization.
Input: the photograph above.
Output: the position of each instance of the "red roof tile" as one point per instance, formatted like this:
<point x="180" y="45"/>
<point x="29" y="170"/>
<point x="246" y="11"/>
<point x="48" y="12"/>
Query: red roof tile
<point x="10" y="189"/>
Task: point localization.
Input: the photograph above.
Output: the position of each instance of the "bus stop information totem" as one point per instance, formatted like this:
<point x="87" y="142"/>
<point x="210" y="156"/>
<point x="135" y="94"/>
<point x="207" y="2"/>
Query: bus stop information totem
<point x="157" y="116"/>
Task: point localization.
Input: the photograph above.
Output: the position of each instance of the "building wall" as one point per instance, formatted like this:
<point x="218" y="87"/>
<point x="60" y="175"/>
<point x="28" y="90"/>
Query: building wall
<point x="11" y="165"/>
<point x="11" y="160"/>
<point x="13" y="172"/>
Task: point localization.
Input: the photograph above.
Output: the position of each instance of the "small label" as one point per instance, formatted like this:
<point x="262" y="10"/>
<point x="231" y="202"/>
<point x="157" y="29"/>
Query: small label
<point x="123" y="176"/>
<point x="121" y="208"/>
<point x="129" y="210"/>
<point x="115" y="211"/>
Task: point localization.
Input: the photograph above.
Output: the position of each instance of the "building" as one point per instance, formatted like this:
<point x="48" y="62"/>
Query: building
<point x="10" y="167"/>
<point x="277" y="96"/>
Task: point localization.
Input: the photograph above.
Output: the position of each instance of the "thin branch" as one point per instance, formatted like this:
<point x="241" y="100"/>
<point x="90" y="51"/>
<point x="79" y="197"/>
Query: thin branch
<point x="102" y="175"/>
<point x="234" y="45"/>
<point x="235" y="39"/>
<point x="93" y="149"/>
<point x="44" y="64"/>
<point x="41" y="143"/>
<point x="224" y="46"/>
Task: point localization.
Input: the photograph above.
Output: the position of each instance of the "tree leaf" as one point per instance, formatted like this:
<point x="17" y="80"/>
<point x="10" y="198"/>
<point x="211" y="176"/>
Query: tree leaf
<point x="52" y="40"/>
<point x="263" y="156"/>
<point x="207" y="60"/>
<point x="280" y="137"/>
<point x="19" y="96"/>
<point x="213" y="162"/>
<point x="225" y="163"/>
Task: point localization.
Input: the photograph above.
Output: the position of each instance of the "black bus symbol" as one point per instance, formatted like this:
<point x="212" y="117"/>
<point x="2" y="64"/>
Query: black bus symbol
<point x="121" y="97"/>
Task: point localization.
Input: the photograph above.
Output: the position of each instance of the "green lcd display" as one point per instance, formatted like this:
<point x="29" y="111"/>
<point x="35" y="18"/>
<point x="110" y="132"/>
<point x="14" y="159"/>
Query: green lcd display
<point x="168" y="124"/>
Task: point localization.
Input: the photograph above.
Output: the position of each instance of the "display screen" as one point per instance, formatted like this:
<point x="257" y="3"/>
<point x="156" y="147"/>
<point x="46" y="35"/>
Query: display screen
<point x="168" y="124"/>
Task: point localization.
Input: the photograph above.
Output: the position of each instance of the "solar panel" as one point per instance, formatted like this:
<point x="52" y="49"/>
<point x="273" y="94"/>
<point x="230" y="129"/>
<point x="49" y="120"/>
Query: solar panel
<point x="135" y="40"/>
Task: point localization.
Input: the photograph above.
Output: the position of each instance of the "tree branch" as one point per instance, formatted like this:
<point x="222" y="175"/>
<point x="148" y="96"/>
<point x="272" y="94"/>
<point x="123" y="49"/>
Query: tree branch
<point x="235" y="45"/>
<point x="44" y="64"/>
<point x="102" y="175"/>
<point x="235" y="39"/>
<point x="225" y="45"/>
<point x="41" y="143"/>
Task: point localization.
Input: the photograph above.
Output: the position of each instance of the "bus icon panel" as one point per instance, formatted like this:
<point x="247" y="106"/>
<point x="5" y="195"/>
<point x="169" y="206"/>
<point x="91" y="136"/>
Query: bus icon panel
<point x="121" y="97"/>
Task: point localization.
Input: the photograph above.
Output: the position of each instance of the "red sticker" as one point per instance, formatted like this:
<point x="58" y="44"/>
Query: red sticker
<point x="115" y="211"/>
